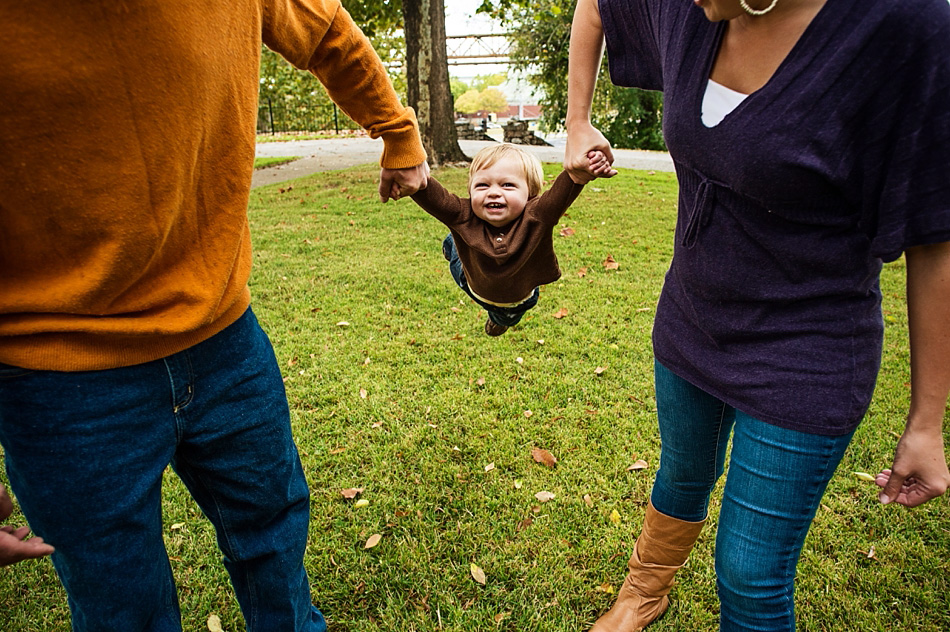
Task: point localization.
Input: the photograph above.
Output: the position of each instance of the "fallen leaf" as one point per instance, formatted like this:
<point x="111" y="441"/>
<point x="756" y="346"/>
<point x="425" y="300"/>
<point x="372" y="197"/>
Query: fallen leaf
<point x="337" y="450"/>
<point x="519" y="360"/>
<point x="517" y="484"/>
<point x="501" y="616"/>
<point x="561" y="313"/>
<point x="610" y="264"/>
<point x="489" y="467"/>
<point x="524" y="524"/>
<point x="363" y="393"/>
<point x="541" y="341"/>
<point x="607" y="588"/>
<point x="567" y="232"/>
<point x="214" y="623"/>
<point x="582" y="272"/>
<point x="362" y="502"/>
<point x="588" y="500"/>
<point x="480" y="381"/>
<point x="372" y="541"/>
<point x="351" y="492"/>
<point x="477" y="574"/>
<point x="871" y="553"/>
<point x="366" y="361"/>
<point x="544" y="496"/>
<point x="615" y="516"/>
<point x="456" y="337"/>
<point x="638" y="465"/>
<point x="377" y="424"/>
<point x="343" y="323"/>
<point x="528" y="413"/>
<point x="864" y="476"/>
<point x="543" y="457"/>
<point x="177" y="526"/>
<point x="599" y="370"/>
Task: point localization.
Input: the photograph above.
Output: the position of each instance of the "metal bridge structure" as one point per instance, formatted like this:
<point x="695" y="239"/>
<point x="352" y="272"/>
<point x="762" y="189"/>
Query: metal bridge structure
<point x="469" y="50"/>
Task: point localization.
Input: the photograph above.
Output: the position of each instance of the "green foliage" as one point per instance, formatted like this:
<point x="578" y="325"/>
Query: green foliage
<point x="299" y="95"/>
<point x="458" y="88"/>
<point x="540" y="36"/>
<point x="443" y="401"/>
<point x="482" y="82"/>
<point x="488" y="100"/>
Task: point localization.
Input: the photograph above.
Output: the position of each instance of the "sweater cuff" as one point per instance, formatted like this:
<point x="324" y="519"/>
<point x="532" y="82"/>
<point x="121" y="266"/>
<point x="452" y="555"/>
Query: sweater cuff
<point x="402" y="146"/>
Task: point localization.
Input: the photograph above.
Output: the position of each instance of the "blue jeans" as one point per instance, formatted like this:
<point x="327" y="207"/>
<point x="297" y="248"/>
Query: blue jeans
<point x="85" y="453"/>
<point x="504" y="316"/>
<point x="773" y="489"/>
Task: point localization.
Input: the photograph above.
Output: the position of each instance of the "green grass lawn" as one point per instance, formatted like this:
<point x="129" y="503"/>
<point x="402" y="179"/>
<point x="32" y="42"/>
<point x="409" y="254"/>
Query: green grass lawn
<point x="395" y="389"/>
<point x="273" y="161"/>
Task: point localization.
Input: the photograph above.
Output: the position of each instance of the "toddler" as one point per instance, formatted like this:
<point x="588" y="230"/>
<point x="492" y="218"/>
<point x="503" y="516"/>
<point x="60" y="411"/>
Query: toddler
<point x="500" y="247"/>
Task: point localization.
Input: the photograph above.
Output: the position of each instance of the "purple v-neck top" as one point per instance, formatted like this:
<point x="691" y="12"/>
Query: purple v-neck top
<point x="788" y="207"/>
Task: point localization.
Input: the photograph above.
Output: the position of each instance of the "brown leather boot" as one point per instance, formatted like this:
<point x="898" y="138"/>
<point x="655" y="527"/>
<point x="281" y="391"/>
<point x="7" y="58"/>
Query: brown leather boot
<point x="660" y="551"/>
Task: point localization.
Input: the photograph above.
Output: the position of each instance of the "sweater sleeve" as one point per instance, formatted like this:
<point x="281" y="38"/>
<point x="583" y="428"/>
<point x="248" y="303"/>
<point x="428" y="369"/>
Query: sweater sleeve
<point x="446" y="207"/>
<point x="909" y="150"/>
<point x="633" y="41"/>
<point x="320" y="36"/>
<point x="555" y="201"/>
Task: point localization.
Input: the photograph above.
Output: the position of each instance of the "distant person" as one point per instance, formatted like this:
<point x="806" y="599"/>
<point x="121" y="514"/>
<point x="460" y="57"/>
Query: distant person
<point x="811" y="140"/>
<point x="500" y="247"/>
<point x="126" y="338"/>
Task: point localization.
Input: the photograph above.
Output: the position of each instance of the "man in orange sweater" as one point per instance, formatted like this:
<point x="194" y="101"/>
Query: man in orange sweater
<point x="126" y="339"/>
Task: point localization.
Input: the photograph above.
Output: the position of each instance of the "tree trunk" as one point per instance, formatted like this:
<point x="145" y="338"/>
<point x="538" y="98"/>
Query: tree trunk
<point x="427" y="74"/>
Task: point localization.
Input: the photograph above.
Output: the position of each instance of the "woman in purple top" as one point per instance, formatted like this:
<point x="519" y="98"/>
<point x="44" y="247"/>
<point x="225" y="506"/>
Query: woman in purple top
<point x="812" y="143"/>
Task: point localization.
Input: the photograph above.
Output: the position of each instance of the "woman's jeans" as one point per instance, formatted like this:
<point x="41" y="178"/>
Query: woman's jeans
<point x="773" y="489"/>
<point x="504" y="316"/>
<point x="85" y="453"/>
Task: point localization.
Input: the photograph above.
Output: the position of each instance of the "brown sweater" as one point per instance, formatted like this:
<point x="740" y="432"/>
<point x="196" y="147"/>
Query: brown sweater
<point x="504" y="265"/>
<point x="127" y="134"/>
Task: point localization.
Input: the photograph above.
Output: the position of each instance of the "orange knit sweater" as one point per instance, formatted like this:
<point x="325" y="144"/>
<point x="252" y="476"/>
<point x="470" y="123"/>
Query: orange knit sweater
<point x="127" y="135"/>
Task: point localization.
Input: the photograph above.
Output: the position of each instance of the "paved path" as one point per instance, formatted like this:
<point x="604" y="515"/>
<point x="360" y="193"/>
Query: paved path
<point x="327" y="155"/>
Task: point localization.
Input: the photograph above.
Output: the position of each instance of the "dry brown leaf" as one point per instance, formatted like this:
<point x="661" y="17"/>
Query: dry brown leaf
<point x="638" y="465"/>
<point x="363" y="393"/>
<point x="477" y="574"/>
<point x="455" y="337"/>
<point x="214" y="623"/>
<point x="524" y="524"/>
<point x="337" y="450"/>
<point x="501" y="616"/>
<point x="544" y="496"/>
<point x="489" y="467"/>
<point x="561" y="313"/>
<point x="377" y="424"/>
<point x="567" y="232"/>
<point x="528" y="413"/>
<point x="543" y="457"/>
<point x="343" y="323"/>
<point x="352" y="492"/>
<point x="178" y="525"/>
<point x="372" y="541"/>
<point x="480" y="381"/>
<point x="588" y="500"/>
<point x="599" y="370"/>
<point x="610" y="264"/>
<point x="582" y="272"/>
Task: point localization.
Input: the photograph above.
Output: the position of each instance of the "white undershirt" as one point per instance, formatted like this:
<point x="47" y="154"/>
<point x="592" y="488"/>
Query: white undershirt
<point x="718" y="102"/>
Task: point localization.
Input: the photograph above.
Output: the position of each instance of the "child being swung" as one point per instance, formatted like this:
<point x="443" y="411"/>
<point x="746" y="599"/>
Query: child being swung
<point x="500" y="246"/>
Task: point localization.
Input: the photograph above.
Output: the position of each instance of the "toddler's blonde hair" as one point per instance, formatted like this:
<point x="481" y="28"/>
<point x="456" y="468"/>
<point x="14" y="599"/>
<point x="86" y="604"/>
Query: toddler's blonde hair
<point x="532" y="170"/>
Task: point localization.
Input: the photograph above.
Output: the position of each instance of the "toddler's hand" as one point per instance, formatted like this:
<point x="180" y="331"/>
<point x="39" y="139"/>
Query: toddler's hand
<point x="599" y="164"/>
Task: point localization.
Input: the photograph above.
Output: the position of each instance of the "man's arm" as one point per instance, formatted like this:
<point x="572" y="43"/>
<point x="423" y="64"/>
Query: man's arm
<point x="14" y="547"/>
<point x="920" y="471"/>
<point x="320" y="36"/>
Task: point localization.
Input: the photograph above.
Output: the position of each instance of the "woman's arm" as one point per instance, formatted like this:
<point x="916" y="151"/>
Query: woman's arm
<point x="920" y="468"/>
<point x="586" y="51"/>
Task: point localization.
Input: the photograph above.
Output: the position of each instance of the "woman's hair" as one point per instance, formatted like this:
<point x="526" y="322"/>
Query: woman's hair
<point x="531" y="166"/>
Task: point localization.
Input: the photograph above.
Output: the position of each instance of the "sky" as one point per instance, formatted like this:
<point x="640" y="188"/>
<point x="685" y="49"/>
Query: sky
<point x="460" y="19"/>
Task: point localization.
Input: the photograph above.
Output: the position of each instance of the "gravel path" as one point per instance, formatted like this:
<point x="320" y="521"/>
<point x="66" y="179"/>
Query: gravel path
<point x="327" y="155"/>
